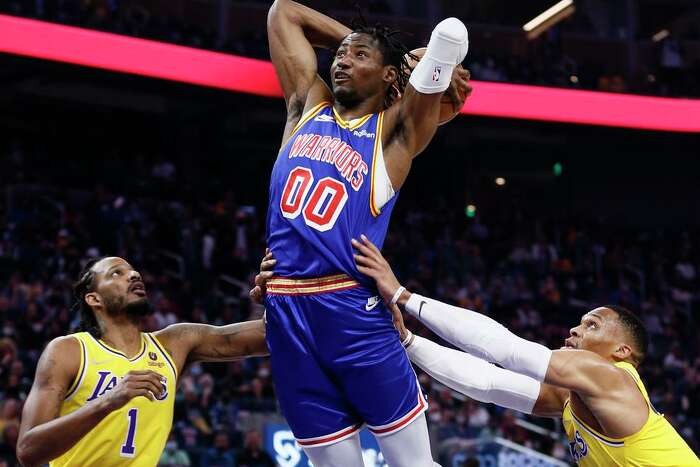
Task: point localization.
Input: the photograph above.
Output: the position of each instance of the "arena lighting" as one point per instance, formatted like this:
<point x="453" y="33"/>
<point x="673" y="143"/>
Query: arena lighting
<point x="661" y="35"/>
<point x="470" y="210"/>
<point x="138" y="56"/>
<point x="557" y="169"/>
<point x="165" y="61"/>
<point x="500" y="181"/>
<point x="549" y="18"/>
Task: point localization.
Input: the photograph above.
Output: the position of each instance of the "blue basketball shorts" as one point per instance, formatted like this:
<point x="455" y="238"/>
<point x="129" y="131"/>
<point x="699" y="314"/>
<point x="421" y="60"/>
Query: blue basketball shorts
<point x="337" y="362"/>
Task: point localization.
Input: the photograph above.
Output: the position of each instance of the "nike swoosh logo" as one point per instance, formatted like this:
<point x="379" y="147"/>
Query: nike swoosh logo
<point x="420" y="308"/>
<point x="371" y="304"/>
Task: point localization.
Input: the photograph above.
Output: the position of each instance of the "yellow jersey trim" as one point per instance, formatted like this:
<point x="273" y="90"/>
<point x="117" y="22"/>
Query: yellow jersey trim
<point x="614" y="442"/>
<point x="119" y="352"/>
<point x="168" y="358"/>
<point x="308" y="116"/>
<point x="638" y="382"/>
<point x="80" y="375"/>
<point x="377" y="145"/>
<point x="352" y="124"/>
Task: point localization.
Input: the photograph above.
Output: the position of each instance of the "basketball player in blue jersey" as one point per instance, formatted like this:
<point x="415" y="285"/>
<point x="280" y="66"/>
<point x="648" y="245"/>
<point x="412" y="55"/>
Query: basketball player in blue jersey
<point x="337" y="361"/>
<point x="105" y="396"/>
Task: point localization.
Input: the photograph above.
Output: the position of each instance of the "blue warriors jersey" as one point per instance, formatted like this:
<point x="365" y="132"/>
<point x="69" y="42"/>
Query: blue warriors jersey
<point x="321" y="195"/>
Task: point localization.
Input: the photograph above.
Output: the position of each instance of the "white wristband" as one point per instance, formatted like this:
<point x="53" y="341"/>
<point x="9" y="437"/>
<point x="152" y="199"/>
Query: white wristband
<point x="408" y="338"/>
<point x="398" y="293"/>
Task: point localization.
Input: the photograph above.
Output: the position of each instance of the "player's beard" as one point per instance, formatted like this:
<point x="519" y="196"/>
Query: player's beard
<point x="139" y="308"/>
<point x="346" y="96"/>
<point x="136" y="309"/>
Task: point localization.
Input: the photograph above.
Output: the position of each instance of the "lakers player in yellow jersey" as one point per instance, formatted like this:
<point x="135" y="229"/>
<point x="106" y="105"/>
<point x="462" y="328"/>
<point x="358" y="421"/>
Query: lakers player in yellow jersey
<point x="105" y="396"/>
<point x="591" y="383"/>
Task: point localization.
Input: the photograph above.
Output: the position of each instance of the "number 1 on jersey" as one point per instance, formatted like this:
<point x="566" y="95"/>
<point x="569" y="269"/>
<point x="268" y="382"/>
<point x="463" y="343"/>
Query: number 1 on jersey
<point x="128" y="448"/>
<point x="321" y="208"/>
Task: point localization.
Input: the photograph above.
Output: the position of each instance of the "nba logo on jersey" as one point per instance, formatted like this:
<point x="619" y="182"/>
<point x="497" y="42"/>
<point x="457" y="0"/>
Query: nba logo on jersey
<point x="578" y="447"/>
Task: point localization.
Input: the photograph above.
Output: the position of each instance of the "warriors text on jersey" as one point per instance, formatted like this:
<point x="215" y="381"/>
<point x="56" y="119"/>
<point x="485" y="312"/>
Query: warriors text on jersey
<point x="136" y="433"/>
<point x="656" y="444"/>
<point x="322" y="195"/>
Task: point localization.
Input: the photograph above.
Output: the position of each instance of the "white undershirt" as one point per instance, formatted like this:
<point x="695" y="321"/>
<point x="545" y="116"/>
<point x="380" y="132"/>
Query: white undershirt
<point x="383" y="189"/>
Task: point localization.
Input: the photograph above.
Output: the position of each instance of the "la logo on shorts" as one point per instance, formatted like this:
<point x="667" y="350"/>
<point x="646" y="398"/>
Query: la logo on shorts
<point x="578" y="447"/>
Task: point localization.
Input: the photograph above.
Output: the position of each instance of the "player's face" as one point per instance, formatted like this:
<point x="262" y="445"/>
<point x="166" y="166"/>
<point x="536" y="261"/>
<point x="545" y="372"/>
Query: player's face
<point x="358" y="70"/>
<point x="598" y="332"/>
<point x="119" y="286"/>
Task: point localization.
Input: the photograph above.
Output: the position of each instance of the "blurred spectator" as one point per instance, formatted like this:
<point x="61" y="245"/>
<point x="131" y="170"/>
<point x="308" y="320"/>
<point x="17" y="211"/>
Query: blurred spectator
<point x="220" y="455"/>
<point x="252" y="454"/>
<point x="8" y="446"/>
<point x="10" y="414"/>
<point x="173" y="456"/>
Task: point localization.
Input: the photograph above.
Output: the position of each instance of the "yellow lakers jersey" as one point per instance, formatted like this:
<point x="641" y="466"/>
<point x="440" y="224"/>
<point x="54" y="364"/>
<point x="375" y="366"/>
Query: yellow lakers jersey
<point x="136" y="433"/>
<point x="656" y="444"/>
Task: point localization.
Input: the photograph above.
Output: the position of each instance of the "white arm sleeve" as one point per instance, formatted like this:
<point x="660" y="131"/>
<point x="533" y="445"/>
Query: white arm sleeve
<point x="481" y="336"/>
<point x="475" y="377"/>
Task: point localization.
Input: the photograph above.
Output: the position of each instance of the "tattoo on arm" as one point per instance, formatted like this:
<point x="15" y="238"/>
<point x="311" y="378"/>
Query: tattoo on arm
<point x="222" y="343"/>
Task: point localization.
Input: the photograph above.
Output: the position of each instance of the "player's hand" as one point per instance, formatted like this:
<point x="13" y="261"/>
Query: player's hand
<point x="371" y="263"/>
<point x="258" y="292"/>
<point x="459" y="89"/>
<point x="397" y="318"/>
<point x="146" y="383"/>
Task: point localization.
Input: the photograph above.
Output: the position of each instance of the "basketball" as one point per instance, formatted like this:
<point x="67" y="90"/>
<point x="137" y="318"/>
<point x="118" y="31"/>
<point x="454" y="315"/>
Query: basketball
<point x="448" y="108"/>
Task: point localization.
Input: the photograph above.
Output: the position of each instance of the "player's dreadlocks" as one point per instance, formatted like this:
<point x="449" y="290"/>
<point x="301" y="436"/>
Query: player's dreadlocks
<point x="88" y="321"/>
<point x="393" y="51"/>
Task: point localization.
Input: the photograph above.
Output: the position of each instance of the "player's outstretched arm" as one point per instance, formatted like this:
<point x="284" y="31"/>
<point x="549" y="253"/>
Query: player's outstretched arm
<point x="293" y="31"/>
<point x="411" y="124"/>
<point x="191" y="342"/>
<point x="582" y="371"/>
<point x="477" y="378"/>
<point x="43" y="435"/>
<point x="472" y="332"/>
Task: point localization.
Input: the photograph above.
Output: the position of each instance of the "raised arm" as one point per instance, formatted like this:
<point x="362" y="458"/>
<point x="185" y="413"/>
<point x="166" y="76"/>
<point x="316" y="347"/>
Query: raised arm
<point x="43" y="435"/>
<point x="293" y="31"/>
<point x="411" y="124"/>
<point x="190" y="342"/>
